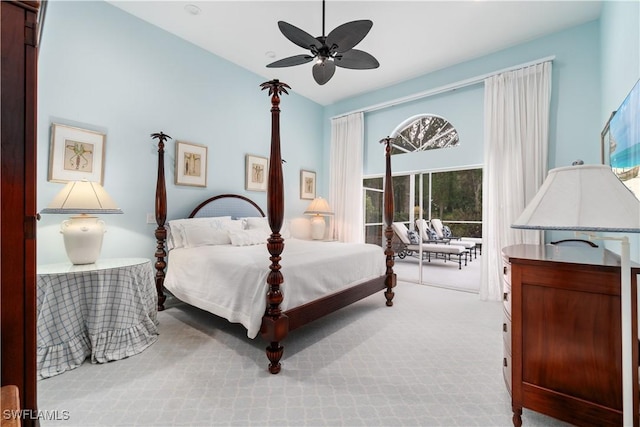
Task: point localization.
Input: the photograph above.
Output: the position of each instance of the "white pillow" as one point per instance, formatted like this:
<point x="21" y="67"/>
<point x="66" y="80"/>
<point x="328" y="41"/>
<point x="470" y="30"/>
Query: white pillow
<point x="177" y="228"/>
<point x="253" y="223"/>
<point x="300" y="228"/>
<point x="201" y="234"/>
<point x="256" y="236"/>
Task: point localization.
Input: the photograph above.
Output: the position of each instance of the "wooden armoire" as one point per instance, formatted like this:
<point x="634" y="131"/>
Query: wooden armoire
<point x="18" y="94"/>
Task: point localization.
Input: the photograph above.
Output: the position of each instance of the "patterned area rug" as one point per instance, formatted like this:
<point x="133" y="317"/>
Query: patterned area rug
<point x="433" y="359"/>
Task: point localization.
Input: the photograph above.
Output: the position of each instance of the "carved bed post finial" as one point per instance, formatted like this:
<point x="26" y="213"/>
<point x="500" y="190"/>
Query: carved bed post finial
<point x="388" y="221"/>
<point x="161" y="217"/>
<point x="275" y="325"/>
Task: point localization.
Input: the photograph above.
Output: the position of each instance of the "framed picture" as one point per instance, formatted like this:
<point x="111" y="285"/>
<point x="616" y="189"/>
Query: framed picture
<point x="256" y="173"/>
<point x="191" y="164"/>
<point x="76" y="154"/>
<point x="307" y="185"/>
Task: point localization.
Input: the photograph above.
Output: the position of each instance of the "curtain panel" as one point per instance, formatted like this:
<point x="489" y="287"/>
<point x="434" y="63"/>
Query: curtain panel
<point x="516" y="139"/>
<point x="345" y="180"/>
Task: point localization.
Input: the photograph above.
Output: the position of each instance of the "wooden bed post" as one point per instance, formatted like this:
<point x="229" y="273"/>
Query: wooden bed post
<point x="390" y="280"/>
<point x="275" y="325"/>
<point x="161" y="216"/>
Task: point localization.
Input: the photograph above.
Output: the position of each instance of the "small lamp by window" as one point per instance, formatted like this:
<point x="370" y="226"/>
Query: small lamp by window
<point x="319" y="208"/>
<point x="83" y="232"/>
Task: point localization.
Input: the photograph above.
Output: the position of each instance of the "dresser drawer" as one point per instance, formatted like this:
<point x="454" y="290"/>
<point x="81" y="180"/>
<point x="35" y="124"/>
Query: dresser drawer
<point x="506" y="368"/>
<point x="506" y="285"/>
<point x="506" y="331"/>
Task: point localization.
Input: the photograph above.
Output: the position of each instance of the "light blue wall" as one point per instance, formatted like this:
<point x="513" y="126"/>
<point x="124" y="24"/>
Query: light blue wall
<point x="620" y="52"/>
<point x="575" y="104"/>
<point x="103" y="69"/>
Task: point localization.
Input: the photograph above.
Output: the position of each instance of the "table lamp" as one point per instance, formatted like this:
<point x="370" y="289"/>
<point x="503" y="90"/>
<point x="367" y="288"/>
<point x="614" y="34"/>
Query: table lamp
<point x="319" y="208"/>
<point x="591" y="198"/>
<point x="83" y="232"/>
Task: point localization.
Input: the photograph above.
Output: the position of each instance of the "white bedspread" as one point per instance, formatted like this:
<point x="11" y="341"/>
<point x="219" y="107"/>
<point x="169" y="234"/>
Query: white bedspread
<point x="231" y="281"/>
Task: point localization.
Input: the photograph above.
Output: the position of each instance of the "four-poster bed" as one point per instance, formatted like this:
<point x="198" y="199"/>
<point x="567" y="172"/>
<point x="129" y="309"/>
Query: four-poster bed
<point x="281" y="311"/>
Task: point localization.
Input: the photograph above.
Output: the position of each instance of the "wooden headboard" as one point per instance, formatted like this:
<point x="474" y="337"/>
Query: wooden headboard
<point x="235" y="205"/>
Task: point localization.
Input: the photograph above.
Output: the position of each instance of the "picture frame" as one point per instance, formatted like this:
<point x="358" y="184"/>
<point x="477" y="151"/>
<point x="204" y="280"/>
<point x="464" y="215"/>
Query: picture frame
<point x="256" y="173"/>
<point x="307" y="184"/>
<point x="76" y="154"/>
<point x="191" y="164"/>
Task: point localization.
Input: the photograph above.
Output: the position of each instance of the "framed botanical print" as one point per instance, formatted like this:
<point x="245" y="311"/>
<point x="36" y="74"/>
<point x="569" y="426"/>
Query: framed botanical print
<point x="76" y="154"/>
<point x="307" y="185"/>
<point x="191" y="164"/>
<point x="256" y="173"/>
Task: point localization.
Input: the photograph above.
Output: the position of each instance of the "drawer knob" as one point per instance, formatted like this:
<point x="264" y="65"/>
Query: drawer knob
<point x="504" y="270"/>
<point x="504" y="327"/>
<point x="504" y="362"/>
<point x="505" y="296"/>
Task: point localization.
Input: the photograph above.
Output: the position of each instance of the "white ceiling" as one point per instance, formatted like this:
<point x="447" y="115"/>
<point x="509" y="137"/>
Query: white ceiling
<point x="409" y="38"/>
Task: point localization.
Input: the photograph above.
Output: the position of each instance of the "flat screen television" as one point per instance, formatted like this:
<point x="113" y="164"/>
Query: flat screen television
<point x="624" y="140"/>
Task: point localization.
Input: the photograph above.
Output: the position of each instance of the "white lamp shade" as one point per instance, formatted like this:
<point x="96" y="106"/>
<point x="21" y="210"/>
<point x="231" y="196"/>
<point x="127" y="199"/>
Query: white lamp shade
<point x="82" y="234"/>
<point x="82" y="197"/>
<point x="318" y="206"/>
<point x="582" y="198"/>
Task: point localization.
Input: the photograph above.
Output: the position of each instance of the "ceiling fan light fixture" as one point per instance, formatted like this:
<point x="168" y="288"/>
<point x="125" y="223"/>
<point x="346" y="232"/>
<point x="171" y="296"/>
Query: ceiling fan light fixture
<point x="338" y="45"/>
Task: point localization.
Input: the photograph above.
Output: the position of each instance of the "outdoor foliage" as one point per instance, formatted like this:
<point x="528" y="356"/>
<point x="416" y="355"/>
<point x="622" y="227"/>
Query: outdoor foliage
<point x="455" y="196"/>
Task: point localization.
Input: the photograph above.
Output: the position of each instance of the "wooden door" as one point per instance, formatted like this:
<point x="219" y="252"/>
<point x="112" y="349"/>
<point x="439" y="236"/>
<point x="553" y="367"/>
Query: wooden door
<point x="18" y="93"/>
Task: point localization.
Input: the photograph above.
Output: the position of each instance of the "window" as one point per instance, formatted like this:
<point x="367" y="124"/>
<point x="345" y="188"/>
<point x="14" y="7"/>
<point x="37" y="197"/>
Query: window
<point x="424" y="132"/>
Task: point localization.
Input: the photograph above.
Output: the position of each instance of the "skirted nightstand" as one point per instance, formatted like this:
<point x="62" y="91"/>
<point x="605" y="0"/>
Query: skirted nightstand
<point x="106" y="310"/>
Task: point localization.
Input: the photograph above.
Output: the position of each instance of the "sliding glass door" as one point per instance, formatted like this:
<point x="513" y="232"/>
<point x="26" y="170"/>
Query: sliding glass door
<point x="454" y="197"/>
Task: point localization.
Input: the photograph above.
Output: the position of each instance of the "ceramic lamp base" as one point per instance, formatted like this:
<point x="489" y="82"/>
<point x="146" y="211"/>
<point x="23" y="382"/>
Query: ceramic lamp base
<point x="83" y="238"/>
<point x="318" y="226"/>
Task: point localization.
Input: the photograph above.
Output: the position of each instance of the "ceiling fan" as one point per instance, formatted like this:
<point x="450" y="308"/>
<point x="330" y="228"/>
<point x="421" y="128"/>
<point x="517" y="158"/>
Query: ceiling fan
<point x="336" y="49"/>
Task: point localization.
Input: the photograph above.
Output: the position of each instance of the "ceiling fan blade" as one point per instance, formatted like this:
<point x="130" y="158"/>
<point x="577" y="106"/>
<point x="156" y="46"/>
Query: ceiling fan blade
<point x="323" y="71"/>
<point x="298" y="36"/>
<point x="356" y="60"/>
<point x="346" y="36"/>
<point x="291" y="61"/>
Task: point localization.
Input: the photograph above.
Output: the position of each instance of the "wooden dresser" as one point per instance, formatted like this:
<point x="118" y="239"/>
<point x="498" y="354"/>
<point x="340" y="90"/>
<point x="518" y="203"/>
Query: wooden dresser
<point x="562" y="333"/>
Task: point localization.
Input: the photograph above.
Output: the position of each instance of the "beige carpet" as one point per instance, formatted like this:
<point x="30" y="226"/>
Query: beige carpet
<point x="433" y="359"/>
<point x="441" y="273"/>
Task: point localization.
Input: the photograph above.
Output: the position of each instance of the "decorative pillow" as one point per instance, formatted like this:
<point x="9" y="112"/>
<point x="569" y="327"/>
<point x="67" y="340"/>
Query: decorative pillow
<point x="300" y="228"/>
<point x="169" y="238"/>
<point x="177" y="228"/>
<point x="256" y="222"/>
<point x="261" y="223"/>
<point x="446" y="231"/>
<point x="203" y="234"/>
<point x="413" y="237"/>
<point x="256" y="236"/>
<point x="431" y="233"/>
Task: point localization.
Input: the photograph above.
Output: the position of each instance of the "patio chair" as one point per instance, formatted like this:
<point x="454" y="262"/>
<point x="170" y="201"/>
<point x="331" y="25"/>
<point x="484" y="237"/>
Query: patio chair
<point x="403" y="246"/>
<point x="430" y="235"/>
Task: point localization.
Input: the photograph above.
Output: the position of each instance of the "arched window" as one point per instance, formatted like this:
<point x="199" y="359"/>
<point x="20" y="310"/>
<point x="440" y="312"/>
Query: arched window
<point x="423" y="132"/>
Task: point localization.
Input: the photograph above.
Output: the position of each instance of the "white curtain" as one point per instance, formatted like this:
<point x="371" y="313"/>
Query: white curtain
<point x="345" y="181"/>
<point x="516" y="135"/>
